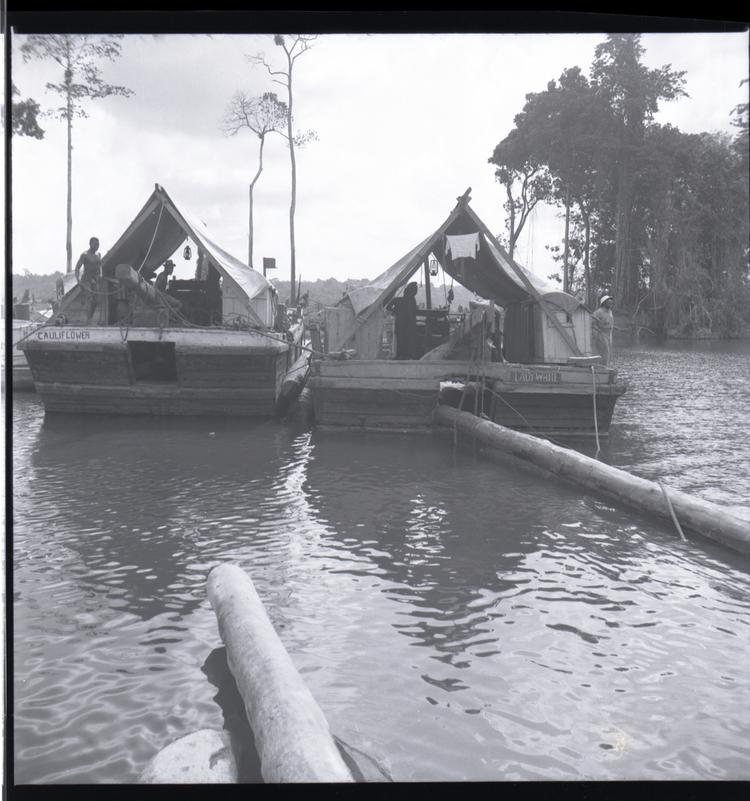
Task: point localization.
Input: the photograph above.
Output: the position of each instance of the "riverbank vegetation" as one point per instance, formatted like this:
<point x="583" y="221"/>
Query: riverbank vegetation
<point x="656" y="217"/>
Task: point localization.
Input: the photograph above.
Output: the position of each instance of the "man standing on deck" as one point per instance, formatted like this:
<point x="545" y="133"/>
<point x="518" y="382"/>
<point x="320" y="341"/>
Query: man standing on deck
<point x="604" y="322"/>
<point x="91" y="262"/>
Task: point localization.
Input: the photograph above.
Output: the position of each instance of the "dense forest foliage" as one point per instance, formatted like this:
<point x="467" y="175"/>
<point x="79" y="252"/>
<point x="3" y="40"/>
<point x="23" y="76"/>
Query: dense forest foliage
<point x="41" y="287"/>
<point x="653" y="216"/>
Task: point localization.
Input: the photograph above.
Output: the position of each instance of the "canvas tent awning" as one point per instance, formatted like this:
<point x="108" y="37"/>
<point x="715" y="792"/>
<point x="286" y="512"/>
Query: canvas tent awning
<point x="490" y="275"/>
<point x="158" y="231"/>
<point x="493" y="275"/>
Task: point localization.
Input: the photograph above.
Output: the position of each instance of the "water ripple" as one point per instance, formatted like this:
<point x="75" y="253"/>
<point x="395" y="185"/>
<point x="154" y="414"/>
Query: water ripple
<point x="455" y="619"/>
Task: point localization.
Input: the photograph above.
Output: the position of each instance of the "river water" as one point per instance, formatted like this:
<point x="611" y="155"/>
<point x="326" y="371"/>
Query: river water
<point x="455" y="618"/>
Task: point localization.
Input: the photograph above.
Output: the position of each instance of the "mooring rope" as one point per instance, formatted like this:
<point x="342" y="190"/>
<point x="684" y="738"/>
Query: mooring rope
<point x="153" y="238"/>
<point x="596" y="420"/>
<point x="671" y="511"/>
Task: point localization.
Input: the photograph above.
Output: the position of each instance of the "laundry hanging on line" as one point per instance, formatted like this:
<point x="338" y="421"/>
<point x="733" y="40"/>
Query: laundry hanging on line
<point x="462" y="246"/>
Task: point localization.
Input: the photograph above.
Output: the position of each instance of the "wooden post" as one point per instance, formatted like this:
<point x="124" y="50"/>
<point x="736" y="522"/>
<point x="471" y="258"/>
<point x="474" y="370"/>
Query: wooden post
<point x="703" y="517"/>
<point x="291" y="734"/>
<point x="427" y="285"/>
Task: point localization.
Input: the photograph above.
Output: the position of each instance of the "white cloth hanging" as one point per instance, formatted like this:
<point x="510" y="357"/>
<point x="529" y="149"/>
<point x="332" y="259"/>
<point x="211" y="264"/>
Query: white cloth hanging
<point x="462" y="246"/>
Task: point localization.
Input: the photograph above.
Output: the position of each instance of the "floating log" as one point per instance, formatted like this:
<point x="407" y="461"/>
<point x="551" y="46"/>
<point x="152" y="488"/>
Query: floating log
<point x="295" y="378"/>
<point x="703" y="517"/>
<point x="291" y="734"/>
<point x="203" y="757"/>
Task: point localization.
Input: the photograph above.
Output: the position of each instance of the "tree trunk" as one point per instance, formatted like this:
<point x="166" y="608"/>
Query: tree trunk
<point x="293" y="204"/>
<point x="512" y="212"/>
<point x="69" y="227"/>
<point x="586" y="254"/>
<point x="657" y="267"/>
<point x="622" y="278"/>
<point x="250" y="204"/>
<point x="566" y="279"/>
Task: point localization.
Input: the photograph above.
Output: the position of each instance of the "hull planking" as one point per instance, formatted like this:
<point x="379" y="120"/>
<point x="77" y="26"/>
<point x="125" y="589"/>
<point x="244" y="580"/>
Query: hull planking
<point x="146" y="371"/>
<point x="396" y="396"/>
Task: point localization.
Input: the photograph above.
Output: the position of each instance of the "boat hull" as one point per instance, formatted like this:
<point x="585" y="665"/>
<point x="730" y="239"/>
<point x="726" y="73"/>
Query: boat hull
<point x="22" y="380"/>
<point x="104" y="370"/>
<point x="402" y="395"/>
<point x="21" y="377"/>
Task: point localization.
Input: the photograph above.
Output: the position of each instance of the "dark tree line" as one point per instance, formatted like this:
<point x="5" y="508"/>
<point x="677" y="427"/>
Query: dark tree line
<point x="656" y="217"/>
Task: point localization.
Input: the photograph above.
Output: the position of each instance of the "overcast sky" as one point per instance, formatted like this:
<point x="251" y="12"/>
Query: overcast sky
<point x="405" y="124"/>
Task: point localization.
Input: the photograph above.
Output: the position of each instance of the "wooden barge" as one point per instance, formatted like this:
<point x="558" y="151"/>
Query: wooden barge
<point x="521" y="356"/>
<point x="394" y="395"/>
<point x="219" y="344"/>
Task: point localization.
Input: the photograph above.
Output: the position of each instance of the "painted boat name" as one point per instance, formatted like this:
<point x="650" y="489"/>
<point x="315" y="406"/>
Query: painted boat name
<point x="535" y="376"/>
<point x="62" y="333"/>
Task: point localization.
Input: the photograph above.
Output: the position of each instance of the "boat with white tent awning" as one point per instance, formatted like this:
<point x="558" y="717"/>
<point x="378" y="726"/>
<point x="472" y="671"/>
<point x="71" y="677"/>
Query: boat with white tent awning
<point x="522" y="355"/>
<point x="217" y="343"/>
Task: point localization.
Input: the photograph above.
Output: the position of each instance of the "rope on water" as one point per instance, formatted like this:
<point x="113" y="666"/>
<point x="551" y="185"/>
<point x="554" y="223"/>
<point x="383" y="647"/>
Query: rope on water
<point x="671" y="511"/>
<point x="531" y="427"/>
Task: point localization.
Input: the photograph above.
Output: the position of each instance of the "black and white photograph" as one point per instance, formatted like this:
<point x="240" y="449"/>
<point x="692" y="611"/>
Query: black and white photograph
<point x="377" y="402"/>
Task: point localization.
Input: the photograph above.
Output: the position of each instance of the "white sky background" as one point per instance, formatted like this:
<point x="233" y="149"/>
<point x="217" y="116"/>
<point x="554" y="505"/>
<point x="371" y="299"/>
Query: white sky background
<point x="405" y="123"/>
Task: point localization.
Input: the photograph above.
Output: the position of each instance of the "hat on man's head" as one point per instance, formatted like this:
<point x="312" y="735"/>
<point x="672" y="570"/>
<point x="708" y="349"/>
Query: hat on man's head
<point x="604" y="299"/>
<point x="169" y="263"/>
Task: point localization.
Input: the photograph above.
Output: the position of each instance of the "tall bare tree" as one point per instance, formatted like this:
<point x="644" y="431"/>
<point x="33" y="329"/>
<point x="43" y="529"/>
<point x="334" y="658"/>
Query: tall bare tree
<point x="261" y="115"/>
<point x="78" y="55"/>
<point x="293" y="47"/>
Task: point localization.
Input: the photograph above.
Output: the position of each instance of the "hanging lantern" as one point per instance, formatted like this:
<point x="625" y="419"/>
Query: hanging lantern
<point x="433" y="267"/>
<point x="187" y="253"/>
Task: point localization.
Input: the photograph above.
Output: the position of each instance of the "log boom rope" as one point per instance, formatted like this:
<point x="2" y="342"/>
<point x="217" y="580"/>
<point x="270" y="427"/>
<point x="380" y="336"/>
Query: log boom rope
<point x="671" y="511"/>
<point x="596" y="421"/>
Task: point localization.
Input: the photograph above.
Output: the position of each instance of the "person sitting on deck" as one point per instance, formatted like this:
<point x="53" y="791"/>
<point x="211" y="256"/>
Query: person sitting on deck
<point x="163" y="277"/>
<point x="406" y="322"/>
<point x="91" y="262"/>
<point x="604" y="322"/>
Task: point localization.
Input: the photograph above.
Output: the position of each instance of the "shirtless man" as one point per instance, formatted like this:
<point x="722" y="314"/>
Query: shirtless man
<point x="91" y="262"/>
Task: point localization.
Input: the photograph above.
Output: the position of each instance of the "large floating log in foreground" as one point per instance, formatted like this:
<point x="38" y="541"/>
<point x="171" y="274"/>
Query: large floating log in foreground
<point x="703" y="517"/>
<point x="291" y="734"/>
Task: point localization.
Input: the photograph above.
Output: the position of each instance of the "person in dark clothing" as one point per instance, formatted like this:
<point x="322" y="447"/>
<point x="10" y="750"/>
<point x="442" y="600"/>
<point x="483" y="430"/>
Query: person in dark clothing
<point x="406" y="323"/>
<point x="163" y="278"/>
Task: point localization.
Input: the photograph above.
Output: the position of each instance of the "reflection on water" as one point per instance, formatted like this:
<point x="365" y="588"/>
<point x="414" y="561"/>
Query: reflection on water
<point x="455" y="619"/>
<point x="685" y="419"/>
